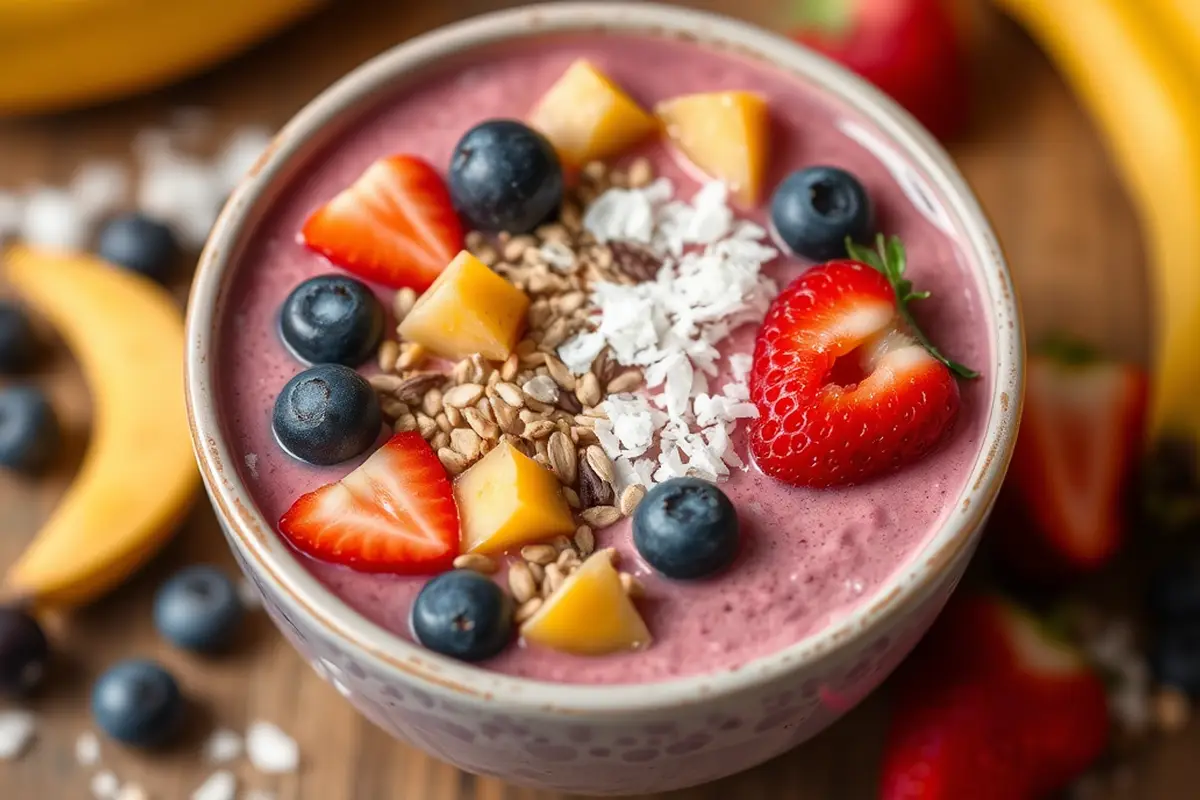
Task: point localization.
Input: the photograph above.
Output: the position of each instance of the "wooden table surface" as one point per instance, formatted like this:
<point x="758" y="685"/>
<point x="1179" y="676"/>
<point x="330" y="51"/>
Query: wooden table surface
<point x="1033" y="158"/>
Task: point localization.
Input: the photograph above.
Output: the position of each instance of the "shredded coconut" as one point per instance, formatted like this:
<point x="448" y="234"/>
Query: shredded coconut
<point x="223" y="746"/>
<point x="271" y="750"/>
<point x="87" y="749"/>
<point x="710" y="283"/>
<point x="17" y="729"/>
<point x="252" y="464"/>
<point x="220" y="785"/>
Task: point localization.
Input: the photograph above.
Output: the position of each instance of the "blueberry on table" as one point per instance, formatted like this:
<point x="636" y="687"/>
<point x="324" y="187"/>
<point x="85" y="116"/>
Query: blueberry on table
<point x="327" y="414"/>
<point x="141" y="244"/>
<point x="686" y="528"/>
<point x="137" y="702"/>
<point x="198" y="609"/>
<point x="464" y="615"/>
<point x="1175" y="656"/>
<point x="815" y="209"/>
<point x="29" y="432"/>
<point x="24" y="651"/>
<point x="18" y="341"/>
<point x="505" y="176"/>
<point x="332" y="319"/>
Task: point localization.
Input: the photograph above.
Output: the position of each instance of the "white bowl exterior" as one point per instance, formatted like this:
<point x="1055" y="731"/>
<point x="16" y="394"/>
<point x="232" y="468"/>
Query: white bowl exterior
<point x="613" y="739"/>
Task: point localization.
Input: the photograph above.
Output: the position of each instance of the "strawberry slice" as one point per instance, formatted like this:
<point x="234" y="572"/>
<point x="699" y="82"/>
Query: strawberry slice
<point x="395" y="513"/>
<point x="991" y="707"/>
<point x="395" y="225"/>
<point x="1082" y="434"/>
<point x="846" y="386"/>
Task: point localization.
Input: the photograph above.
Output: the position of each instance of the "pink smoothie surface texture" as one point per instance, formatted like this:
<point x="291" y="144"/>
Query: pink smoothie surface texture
<point x="809" y="557"/>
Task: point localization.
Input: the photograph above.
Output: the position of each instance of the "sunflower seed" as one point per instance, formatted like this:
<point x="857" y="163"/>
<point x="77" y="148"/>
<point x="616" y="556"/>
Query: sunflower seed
<point x="431" y="403"/>
<point x="539" y="553"/>
<point x="600" y="516"/>
<point x="427" y="426"/>
<point x="585" y="540"/>
<point x="454" y="462"/>
<point x="593" y="489"/>
<point x="559" y="372"/>
<point x="403" y="303"/>
<point x="520" y="582"/>
<point x="508" y="370"/>
<point x="405" y="423"/>
<point x="588" y="390"/>
<point x="440" y="439"/>
<point x="484" y="406"/>
<point x="561" y="453"/>
<point x="476" y="562"/>
<point x="567" y="560"/>
<point x="506" y="416"/>
<point x="463" y="395"/>
<point x="601" y="463"/>
<point x="527" y="609"/>
<point x="630" y="497"/>
<point x="624" y="382"/>
<point x="510" y="393"/>
<point x="572" y="497"/>
<point x="389" y="351"/>
<point x="480" y="424"/>
<point x="537" y="571"/>
<point x="392" y="408"/>
<point x="454" y="415"/>
<point x="554" y="580"/>
<point x="386" y="384"/>
<point x="542" y="389"/>
<point x="465" y="441"/>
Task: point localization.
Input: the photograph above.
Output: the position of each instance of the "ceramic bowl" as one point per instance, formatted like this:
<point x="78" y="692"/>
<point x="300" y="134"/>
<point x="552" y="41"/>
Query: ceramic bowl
<point x="608" y="739"/>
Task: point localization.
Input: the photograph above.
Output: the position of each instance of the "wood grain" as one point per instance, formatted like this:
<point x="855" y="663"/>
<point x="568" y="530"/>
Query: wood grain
<point x="1033" y="158"/>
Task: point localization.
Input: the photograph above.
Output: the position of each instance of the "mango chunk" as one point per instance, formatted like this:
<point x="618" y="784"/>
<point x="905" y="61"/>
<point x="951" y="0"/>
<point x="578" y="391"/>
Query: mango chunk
<point x="507" y="500"/>
<point x="587" y="117"/>
<point x="589" y="615"/>
<point x="469" y="309"/>
<point x="725" y="134"/>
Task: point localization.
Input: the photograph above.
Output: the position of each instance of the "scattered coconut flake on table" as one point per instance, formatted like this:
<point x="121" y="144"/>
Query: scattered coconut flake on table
<point x="132" y="791"/>
<point x="105" y="785"/>
<point x="17" y="729"/>
<point x="221" y="785"/>
<point x="271" y="750"/>
<point x="100" y="188"/>
<point x="223" y="746"/>
<point x="87" y="749"/>
<point x="54" y="220"/>
<point x="240" y="153"/>
<point x="710" y="283"/>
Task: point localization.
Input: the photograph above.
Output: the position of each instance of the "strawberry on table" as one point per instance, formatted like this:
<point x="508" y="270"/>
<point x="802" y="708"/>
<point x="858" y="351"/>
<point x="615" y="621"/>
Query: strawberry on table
<point x="991" y="707"/>
<point x="395" y="513"/>
<point x="1082" y="435"/>
<point x="846" y="385"/>
<point x="395" y="225"/>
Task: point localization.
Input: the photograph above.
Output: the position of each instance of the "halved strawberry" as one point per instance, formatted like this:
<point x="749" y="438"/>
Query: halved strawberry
<point x="1082" y="434"/>
<point x="395" y="225"/>
<point x="846" y="386"/>
<point x="395" y="513"/>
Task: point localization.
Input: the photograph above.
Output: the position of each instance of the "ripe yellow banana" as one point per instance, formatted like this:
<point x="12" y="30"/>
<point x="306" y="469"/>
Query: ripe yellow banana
<point x="1135" y="80"/>
<point x="139" y="475"/>
<point x="56" y="54"/>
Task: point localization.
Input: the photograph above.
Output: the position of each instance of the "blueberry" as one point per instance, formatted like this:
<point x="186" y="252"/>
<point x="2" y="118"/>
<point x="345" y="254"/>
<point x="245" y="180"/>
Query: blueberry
<point x="1175" y="588"/>
<point x="140" y="244"/>
<point x="327" y="414"/>
<point x="464" y="615"/>
<point x="198" y="609"/>
<point x="18" y="341"/>
<point x="1175" y="656"/>
<point x="505" y="176"/>
<point x="332" y="319"/>
<point x="815" y="209"/>
<point x="24" y="651"/>
<point x="29" y="432"/>
<point x="686" y="528"/>
<point x="137" y="702"/>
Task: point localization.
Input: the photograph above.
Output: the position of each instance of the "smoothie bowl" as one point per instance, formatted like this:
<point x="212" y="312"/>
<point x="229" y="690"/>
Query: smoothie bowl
<point x="538" y="394"/>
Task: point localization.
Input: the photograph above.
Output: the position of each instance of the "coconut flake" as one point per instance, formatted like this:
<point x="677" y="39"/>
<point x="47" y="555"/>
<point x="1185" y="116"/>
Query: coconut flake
<point x="87" y="749"/>
<point x="221" y="785"/>
<point x="54" y="220"/>
<point x="104" y="785"/>
<point x="252" y="464"/>
<point x="223" y="746"/>
<point x="100" y="187"/>
<point x="17" y="729"/>
<point x="271" y="750"/>
<point x="580" y="351"/>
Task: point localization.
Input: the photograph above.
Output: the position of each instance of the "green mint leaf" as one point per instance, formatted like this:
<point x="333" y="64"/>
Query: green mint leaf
<point x="890" y="259"/>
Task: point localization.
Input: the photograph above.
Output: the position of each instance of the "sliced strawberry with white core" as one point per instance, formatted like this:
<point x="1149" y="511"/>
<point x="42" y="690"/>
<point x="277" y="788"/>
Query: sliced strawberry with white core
<point x="395" y="513"/>
<point x="846" y="386"/>
<point x="395" y="225"/>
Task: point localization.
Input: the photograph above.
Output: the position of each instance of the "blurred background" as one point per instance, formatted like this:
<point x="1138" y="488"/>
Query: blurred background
<point x="97" y="117"/>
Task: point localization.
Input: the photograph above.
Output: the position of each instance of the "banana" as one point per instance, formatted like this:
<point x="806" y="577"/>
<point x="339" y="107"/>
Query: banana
<point x="139" y="476"/>
<point x="1179" y="21"/>
<point x="55" y="54"/>
<point x="1138" y="87"/>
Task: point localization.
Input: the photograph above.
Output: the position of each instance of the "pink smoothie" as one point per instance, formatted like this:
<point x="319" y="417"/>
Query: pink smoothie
<point x="809" y="556"/>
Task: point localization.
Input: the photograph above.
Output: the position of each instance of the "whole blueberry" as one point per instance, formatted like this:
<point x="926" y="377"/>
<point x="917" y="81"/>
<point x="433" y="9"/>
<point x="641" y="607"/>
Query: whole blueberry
<point x="1174" y="592"/>
<point x="18" y="341"/>
<point x="505" y="176"/>
<point x="327" y="414"/>
<point x="24" y="651"/>
<point x="815" y="209"/>
<point x="137" y="702"/>
<point x="332" y="319"/>
<point x="140" y="243"/>
<point x="686" y="528"/>
<point x="29" y="432"/>
<point x="464" y="615"/>
<point x="198" y="609"/>
<point x="1175" y="656"/>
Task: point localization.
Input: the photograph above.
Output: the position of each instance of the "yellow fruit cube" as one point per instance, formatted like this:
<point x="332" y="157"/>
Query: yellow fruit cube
<point x="588" y="117"/>
<point x="507" y="500"/>
<point x="589" y="615"/>
<point x="469" y="309"/>
<point x="725" y="134"/>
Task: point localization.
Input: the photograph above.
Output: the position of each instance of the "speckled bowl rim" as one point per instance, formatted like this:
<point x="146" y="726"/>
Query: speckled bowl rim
<point x="271" y="560"/>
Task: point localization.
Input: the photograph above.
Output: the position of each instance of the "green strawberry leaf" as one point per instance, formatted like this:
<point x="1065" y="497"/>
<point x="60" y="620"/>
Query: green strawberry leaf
<point x="889" y="258"/>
